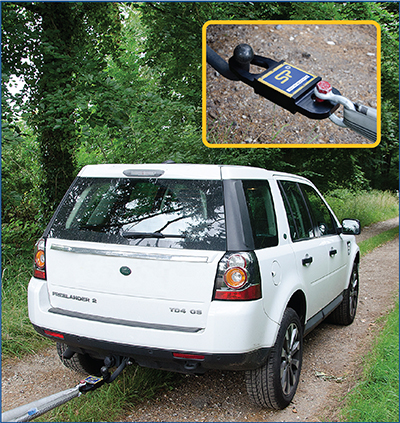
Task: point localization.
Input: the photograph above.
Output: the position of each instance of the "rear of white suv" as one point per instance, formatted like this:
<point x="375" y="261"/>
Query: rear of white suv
<point x="189" y="268"/>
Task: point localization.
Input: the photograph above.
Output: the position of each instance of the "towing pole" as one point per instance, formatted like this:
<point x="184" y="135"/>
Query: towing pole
<point x="27" y="412"/>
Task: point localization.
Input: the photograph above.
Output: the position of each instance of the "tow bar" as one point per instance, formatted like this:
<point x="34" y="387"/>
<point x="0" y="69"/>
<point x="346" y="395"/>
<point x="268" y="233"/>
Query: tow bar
<point x="28" y="412"/>
<point x="294" y="89"/>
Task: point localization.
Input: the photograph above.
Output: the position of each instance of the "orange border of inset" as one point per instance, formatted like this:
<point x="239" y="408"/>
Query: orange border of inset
<point x="294" y="22"/>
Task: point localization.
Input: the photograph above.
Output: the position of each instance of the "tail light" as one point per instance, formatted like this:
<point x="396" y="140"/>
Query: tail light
<point x="238" y="277"/>
<point x="39" y="260"/>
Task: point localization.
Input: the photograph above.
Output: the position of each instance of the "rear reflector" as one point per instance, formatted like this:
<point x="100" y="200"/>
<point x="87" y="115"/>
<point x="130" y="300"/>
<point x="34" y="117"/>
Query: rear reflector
<point x="189" y="356"/>
<point x="53" y="334"/>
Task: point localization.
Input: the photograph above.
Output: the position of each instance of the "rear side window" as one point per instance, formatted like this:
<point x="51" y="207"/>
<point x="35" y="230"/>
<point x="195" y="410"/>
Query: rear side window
<point x="144" y="212"/>
<point x="261" y="213"/>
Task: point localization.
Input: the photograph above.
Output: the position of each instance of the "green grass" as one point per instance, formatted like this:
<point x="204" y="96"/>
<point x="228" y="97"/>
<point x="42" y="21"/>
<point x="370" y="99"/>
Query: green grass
<point x="367" y="206"/>
<point x="376" y="397"/>
<point x="370" y="244"/>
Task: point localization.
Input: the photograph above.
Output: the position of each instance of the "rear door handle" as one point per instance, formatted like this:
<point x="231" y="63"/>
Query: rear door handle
<point x="306" y="261"/>
<point x="332" y="253"/>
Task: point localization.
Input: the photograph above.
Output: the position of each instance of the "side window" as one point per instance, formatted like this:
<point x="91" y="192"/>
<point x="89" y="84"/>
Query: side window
<point x="322" y="218"/>
<point x="296" y="210"/>
<point x="261" y="212"/>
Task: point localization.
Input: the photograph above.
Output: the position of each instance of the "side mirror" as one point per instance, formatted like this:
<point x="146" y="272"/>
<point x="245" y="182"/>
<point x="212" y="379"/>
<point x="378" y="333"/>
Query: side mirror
<point x="351" y="227"/>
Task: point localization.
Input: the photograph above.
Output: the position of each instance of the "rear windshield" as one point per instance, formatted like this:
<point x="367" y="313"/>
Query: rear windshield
<point x="145" y="212"/>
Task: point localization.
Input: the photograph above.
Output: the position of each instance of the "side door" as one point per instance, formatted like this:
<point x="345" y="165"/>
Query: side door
<point x="325" y="226"/>
<point x="311" y="250"/>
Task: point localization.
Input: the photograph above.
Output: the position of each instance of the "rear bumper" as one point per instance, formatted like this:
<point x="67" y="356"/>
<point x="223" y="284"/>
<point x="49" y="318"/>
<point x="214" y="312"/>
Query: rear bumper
<point x="238" y="335"/>
<point x="163" y="359"/>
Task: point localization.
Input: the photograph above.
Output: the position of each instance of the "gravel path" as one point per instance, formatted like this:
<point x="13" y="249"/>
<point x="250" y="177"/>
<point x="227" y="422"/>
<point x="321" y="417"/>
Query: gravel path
<point x="332" y="357"/>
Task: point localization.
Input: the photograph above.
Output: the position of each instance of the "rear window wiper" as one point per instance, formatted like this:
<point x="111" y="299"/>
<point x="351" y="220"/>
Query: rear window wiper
<point x="134" y="235"/>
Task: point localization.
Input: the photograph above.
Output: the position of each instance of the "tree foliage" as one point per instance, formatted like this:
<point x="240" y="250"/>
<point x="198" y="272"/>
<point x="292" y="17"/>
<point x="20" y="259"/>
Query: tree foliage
<point x="107" y="82"/>
<point x="59" y="50"/>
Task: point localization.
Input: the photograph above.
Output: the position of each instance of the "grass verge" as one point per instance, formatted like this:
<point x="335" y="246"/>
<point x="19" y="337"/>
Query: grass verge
<point x="376" y="397"/>
<point x="370" y="244"/>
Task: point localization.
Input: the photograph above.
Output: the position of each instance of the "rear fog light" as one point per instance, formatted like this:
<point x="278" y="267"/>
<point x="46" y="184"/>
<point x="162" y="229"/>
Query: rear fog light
<point x="188" y="356"/>
<point x="53" y="334"/>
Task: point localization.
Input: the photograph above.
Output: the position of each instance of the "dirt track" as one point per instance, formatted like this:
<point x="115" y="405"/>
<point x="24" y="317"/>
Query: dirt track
<point x="331" y="364"/>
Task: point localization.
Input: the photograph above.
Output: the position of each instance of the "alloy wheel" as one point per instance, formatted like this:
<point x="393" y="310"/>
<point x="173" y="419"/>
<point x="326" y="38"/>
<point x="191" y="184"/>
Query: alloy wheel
<point x="290" y="359"/>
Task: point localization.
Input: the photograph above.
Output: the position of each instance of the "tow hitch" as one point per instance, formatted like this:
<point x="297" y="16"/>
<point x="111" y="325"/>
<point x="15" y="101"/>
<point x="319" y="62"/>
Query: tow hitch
<point x="282" y="83"/>
<point x="295" y="90"/>
<point x="28" y="412"/>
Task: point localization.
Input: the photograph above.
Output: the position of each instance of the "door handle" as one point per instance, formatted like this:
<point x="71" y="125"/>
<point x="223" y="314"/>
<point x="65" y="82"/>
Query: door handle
<point x="332" y="253"/>
<point x="306" y="261"/>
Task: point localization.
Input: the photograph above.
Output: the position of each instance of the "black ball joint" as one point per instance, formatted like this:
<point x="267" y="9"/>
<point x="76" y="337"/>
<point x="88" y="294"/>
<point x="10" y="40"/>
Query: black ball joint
<point x="243" y="55"/>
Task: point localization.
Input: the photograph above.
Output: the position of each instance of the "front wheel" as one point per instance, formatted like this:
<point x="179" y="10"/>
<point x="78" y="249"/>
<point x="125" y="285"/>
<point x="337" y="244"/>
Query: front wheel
<point x="274" y="384"/>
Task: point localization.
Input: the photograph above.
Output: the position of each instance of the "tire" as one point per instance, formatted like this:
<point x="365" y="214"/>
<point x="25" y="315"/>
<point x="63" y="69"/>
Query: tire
<point x="345" y="313"/>
<point x="81" y="363"/>
<point x="274" y="384"/>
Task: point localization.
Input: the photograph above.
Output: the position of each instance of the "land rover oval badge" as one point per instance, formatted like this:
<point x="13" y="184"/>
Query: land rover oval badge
<point x="125" y="270"/>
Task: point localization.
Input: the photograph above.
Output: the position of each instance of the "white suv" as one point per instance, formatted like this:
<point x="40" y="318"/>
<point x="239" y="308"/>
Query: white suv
<point x="193" y="267"/>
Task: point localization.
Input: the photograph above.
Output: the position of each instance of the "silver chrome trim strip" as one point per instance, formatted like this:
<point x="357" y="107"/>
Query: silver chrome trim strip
<point x="129" y="254"/>
<point x="112" y="321"/>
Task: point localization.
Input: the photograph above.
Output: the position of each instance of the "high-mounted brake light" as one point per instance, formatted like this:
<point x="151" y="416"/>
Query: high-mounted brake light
<point x="39" y="263"/>
<point x="238" y="277"/>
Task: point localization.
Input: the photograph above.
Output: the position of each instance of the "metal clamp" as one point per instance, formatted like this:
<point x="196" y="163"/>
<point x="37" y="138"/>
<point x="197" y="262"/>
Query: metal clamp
<point x="359" y="118"/>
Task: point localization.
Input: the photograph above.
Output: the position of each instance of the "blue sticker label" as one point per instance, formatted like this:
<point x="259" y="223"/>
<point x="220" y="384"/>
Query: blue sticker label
<point x="93" y="379"/>
<point x="287" y="79"/>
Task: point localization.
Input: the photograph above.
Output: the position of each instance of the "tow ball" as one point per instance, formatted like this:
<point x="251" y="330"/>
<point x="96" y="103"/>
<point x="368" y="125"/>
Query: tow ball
<point x="28" y="412"/>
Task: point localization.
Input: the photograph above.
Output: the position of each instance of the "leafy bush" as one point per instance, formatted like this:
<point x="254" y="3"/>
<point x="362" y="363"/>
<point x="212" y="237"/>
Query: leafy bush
<point x="18" y="238"/>
<point x="366" y="206"/>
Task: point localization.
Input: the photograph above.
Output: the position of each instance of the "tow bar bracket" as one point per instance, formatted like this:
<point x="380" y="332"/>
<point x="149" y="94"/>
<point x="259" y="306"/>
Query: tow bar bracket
<point x="282" y="83"/>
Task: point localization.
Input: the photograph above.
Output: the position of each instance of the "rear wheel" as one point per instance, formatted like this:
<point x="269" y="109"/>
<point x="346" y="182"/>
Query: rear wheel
<point x="81" y="363"/>
<point x="345" y="313"/>
<point x="274" y="384"/>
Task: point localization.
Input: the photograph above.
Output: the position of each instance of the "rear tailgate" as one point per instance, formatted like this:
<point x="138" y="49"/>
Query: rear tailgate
<point x="130" y="285"/>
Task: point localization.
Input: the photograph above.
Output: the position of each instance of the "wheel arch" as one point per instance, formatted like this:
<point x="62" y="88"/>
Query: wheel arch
<point x="299" y="304"/>
<point x="355" y="261"/>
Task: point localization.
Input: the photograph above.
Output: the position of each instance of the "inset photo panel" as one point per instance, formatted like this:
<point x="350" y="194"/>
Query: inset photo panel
<point x="291" y="84"/>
